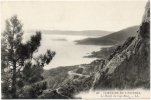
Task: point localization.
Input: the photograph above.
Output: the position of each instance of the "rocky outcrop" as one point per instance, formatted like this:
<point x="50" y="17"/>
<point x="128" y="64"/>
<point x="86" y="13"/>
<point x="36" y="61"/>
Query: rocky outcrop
<point x="130" y="66"/>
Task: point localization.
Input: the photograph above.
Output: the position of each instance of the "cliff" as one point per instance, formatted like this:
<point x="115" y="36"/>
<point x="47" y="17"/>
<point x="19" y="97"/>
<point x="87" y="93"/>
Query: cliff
<point x="130" y="66"/>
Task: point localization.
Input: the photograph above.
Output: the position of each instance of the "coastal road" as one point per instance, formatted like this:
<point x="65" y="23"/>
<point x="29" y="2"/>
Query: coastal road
<point x="71" y="73"/>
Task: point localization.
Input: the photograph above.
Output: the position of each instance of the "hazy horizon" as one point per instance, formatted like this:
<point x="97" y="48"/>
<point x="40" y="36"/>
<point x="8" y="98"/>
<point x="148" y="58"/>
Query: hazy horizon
<point x="76" y="15"/>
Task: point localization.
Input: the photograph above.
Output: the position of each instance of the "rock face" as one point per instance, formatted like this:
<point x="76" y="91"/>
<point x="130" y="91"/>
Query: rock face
<point x="130" y="67"/>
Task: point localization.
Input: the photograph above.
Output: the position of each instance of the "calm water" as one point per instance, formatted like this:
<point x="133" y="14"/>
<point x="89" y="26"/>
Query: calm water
<point x="67" y="52"/>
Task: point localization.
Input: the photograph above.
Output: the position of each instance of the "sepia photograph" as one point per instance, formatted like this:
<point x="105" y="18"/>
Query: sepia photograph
<point x="71" y="49"/>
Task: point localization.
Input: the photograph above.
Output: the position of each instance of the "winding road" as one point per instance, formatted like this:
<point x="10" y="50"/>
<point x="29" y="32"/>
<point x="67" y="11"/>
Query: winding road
<point x="71" y="73"/>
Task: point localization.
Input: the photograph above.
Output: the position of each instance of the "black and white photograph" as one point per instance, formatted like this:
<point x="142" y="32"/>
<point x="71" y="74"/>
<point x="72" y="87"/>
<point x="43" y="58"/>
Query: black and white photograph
<point x="70" y="49"/>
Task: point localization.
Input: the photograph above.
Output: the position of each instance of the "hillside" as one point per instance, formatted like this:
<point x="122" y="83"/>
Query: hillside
<point x="111" y="39"/>
<point x="102" y="53"/>
<point x="130" y="67"/>
<point x="54" y="77"/>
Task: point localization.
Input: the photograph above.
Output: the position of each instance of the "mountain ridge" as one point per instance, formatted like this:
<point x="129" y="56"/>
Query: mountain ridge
<point x="110" y="39"/>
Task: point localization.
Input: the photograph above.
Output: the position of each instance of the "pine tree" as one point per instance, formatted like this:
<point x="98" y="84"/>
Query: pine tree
<point x="16" y="57"/>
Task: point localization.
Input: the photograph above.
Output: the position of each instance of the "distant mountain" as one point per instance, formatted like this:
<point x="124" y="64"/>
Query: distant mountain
<point x="85" y="33"/>
<point x="111" y="39"/>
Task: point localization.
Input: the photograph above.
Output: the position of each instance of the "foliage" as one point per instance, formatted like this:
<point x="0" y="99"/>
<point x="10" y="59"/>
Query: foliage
<point x="33" y="90"/>
<point x="17" y="58"/>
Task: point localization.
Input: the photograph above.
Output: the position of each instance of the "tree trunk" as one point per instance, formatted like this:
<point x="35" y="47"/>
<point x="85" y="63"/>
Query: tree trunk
<point x="14" y="81"/>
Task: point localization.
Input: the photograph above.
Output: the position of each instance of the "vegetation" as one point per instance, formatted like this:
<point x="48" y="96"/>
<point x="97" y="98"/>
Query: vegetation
<point x="18" y="69"/>
<point x="56" y="76"/>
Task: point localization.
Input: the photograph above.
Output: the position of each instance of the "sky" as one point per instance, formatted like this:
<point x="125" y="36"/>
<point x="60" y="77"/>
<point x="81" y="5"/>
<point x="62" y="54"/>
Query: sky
<point x="109" y="15"/>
